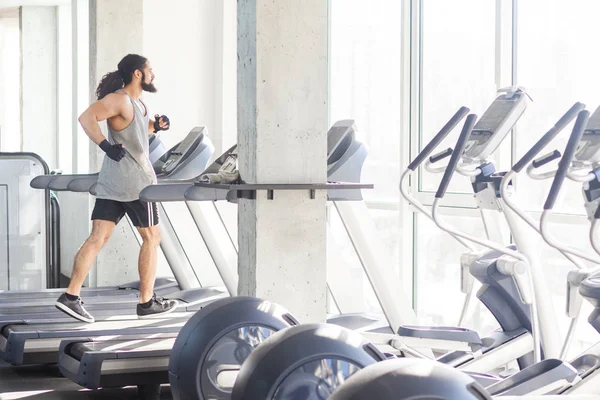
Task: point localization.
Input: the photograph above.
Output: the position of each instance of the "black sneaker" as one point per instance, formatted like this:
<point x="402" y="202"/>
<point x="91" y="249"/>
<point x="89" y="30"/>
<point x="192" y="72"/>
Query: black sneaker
<point x="73" y="308"/>
<point x="158" y="307"/>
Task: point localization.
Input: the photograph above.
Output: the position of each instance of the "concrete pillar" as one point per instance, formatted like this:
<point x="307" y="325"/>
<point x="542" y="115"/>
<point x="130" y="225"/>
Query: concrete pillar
<point x="38" y="82"/>
<point x="116" y="29"/>
<point x="282" y="126"/>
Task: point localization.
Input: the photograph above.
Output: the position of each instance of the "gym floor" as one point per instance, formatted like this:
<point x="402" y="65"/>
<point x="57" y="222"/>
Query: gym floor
<point x="47" y="383"/>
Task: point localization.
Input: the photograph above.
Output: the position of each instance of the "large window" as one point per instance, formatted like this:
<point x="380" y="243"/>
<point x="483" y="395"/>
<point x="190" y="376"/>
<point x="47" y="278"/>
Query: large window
<point x="463" y="52"/>
<point x="458" y="53"/>
<point x="558" y="66"/>
<point x="457" y="66"/>
<point x="365" y="56"/>
<point x="365" y="84"/>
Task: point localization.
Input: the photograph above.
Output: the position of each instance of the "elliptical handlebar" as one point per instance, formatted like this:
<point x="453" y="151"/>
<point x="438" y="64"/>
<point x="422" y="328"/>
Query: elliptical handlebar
<point x="531" y="171"/>
<point x="461" y="143"/>
<point x="545" y="159"/>
<point x="422" y="156"/>
<point x="441" y="155"/>
<point x="563" y="166"/>
<point x="549" y="136"/>
<point x="441" y="135"/>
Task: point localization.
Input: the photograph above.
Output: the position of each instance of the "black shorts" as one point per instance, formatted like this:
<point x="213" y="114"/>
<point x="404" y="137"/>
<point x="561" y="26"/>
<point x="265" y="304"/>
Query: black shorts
<point x="142" y="214"/>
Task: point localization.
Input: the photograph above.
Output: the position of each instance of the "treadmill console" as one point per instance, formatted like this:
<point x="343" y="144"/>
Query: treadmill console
<point x="495" y="123"/>
<point x="340" y="135"/>
<point x="588" y="149"/>
<point x="225" y="162"/>
<point x="230" y="161"/>
<point x="178" y="154"/>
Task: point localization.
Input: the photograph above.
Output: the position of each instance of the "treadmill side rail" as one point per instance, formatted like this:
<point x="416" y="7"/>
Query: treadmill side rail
<point x="26" y="345"/>
<point x="114" y="368"/>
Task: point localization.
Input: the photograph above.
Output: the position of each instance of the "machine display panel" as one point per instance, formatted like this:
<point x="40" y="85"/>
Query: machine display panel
<point x="171" y="159"/>
<point x="493" y="126"/>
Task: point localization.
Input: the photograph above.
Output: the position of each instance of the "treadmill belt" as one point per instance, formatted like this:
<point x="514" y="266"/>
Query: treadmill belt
<point x="160" y="283"/>
<point x="54" y="293"/>
<point x="53" y="296"/>
<point x="123" y="296"/>
<point x="51" y="308"/>
<point x="77" y="328"/>
<point x="123" y="299"/>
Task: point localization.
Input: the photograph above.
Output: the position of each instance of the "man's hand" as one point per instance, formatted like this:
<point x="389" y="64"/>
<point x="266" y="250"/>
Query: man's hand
<point x="114" y="151"/>
<point x="161" y="123"/>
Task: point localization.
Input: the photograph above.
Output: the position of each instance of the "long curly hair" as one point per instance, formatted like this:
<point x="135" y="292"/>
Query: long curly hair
<point x="115" y="80"/>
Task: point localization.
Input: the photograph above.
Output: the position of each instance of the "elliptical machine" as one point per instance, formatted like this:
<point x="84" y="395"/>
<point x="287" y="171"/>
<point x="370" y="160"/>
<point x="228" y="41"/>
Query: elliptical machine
<point x="504" y="293"/>
<point x="579" y="163"/>
<point x="395" y="380"/>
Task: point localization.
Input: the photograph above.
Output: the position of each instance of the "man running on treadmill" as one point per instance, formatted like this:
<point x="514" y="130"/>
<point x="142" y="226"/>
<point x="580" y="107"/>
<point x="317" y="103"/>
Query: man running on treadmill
<point x="126" y="170"/>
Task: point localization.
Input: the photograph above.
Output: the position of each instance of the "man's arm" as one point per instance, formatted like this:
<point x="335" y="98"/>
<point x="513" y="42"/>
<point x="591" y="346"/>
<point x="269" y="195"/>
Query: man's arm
<point x="150" y="127"/>
<point x="109" y="106"/>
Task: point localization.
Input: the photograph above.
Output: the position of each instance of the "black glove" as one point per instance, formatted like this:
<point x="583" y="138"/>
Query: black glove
<point x="114" y="151"/>
<point x="157" y="121"/>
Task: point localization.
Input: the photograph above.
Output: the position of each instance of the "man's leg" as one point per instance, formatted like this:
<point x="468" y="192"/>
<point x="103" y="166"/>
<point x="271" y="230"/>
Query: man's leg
<point x="101" y="231"/>
<point x="105" y="216"/>
<point x="69" y="302"/>
<point x="145" y="217"/>
<point x="147" y="261"/>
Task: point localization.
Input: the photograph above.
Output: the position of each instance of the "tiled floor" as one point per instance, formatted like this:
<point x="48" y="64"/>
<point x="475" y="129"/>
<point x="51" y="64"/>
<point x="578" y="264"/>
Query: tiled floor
<point x="46" y="383"/>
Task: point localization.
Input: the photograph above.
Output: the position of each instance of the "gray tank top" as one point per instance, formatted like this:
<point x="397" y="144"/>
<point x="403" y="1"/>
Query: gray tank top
<point x="124" y="180"/>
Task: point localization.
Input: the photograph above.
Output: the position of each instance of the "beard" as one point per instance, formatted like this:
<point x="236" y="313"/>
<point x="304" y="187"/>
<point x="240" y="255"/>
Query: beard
<point x="147" y="87"/>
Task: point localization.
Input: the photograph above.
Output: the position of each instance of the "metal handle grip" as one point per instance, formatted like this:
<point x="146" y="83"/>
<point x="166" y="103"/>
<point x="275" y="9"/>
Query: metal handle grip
<point x="546" y="159"/>
<point x="565" y="161"/>
<point x="446" y="129"/>
<point x="547" y="138"/>
<point x="456" y="155"/>
<point x="441" y="155"/>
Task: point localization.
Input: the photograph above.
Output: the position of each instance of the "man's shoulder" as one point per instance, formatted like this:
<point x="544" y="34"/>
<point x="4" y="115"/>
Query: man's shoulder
<point x="117" y="96"/>
<point x="117" y="101"/>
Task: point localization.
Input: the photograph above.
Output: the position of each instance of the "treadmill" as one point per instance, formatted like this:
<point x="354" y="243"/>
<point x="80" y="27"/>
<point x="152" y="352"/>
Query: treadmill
<point x="82" y="183"/>
<point x="124" y="361"/>
<point x="60" y="182"/>
<point x="34" y="337"/>
<point x="185" y="159"/>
